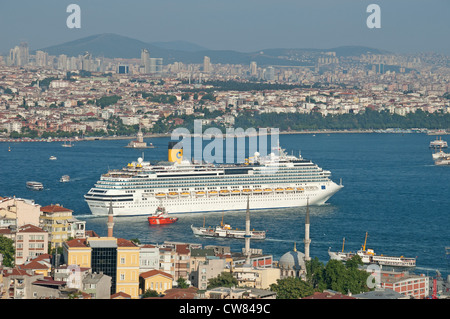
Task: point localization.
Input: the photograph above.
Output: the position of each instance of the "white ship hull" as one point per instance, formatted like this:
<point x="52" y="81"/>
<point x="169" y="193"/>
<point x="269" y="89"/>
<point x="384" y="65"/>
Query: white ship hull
<point x="317" y="195"/>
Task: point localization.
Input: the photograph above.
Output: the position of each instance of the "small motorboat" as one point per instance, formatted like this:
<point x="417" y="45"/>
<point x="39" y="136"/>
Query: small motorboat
<point x="161" y="217"/>
<point x="64" y="179"/>
<point x="53" y="158"/>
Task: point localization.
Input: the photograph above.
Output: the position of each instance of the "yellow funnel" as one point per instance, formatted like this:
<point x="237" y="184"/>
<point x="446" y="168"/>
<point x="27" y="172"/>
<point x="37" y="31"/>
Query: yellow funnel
<point x="175" y="152"/>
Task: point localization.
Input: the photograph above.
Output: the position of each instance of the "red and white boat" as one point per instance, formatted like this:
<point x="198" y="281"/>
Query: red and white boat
<point x="161" y="217"/>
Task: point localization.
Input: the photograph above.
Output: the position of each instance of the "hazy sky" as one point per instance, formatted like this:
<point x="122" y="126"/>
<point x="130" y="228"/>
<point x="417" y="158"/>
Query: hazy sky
<point x="242" y="25"/>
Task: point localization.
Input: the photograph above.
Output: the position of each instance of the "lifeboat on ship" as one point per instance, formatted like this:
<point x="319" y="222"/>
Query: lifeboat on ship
<point x="212" y="193"/>
<point x="161" y="217"/>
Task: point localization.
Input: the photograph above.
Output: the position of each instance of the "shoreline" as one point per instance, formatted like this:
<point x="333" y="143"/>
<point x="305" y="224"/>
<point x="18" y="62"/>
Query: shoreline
<point x="158" y="135"/>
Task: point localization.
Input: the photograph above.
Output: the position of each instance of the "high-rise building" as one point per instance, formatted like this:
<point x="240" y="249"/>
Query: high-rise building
<point x="269" y="75"/>
<point x="18" y="56"/>
<point x="206" y="64"/>
<point x="253" y="68"/>
<point x="145" y="60"/>
<point x="41" y="58"/>
<point x="155" y="65"/>
<point x="62" y="62"/>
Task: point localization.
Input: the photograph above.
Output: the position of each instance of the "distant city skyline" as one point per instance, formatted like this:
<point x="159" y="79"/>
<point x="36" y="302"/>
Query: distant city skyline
<point x="407" y="26"/>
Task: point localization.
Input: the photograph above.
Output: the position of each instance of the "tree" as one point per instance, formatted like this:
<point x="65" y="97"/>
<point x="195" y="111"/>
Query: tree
<point x="182" y="283"/>
<point x="150" y="293"/>
<point x="292" y="288"/>
<point x="314" y="274"/>
<point x="225" y="279"/>
<point x="346" y="277"/>
<point x="7" y="250"/>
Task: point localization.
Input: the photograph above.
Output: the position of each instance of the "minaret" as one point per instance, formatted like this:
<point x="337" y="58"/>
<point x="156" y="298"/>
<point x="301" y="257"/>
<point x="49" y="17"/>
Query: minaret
<point x="247" y="233"/>
<point x="307" y="241"/>
<point x="110" y="222"/>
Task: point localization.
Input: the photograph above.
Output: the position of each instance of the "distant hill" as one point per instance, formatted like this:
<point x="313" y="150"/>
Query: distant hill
<point x="106" y="45"/>
<point x="179" y="46"/>
<point x="110" y="45"/>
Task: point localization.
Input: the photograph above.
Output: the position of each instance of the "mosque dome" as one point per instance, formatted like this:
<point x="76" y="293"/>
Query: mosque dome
<point x="292" y="260"/>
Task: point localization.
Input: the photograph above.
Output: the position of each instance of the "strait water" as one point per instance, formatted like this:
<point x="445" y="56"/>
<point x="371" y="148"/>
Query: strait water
<point x="392" y="190"/>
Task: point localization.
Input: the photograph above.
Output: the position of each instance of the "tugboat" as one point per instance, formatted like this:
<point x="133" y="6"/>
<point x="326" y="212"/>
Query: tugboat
<point x="161" y="217"/>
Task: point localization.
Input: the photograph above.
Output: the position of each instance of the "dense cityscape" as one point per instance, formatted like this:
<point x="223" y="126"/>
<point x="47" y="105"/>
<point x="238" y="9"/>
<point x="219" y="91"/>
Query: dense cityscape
<point x="47" y="96"/>
<point x="46" y="252"/>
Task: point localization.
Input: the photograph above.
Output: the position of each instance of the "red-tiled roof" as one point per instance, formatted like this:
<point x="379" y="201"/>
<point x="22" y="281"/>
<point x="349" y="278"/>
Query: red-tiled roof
<point x="178" y="293"/>
<point x="327" y="295"/>
<point x="182" y="249"/>
<point x="155" y="272"/>
<point x="35" y="264"/>
<point x="125" y="243"/>
<point x="30" y="229"/>
<point x="120" y="295"/>
<point x="55" y="209"/>
<point x="77" y="242"/>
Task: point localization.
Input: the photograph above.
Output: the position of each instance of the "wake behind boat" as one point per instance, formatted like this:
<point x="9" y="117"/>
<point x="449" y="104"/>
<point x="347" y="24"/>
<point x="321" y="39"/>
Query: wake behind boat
<point x="369" y="257"/>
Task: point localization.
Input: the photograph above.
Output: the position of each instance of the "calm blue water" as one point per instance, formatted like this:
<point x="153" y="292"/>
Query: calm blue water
<point x="392" y="191"/>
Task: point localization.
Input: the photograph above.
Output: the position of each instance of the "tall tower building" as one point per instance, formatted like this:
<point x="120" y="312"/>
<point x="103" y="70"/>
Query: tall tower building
<point x="253" y="68"/>
<point x="206" y="64"/>
<point x="23" y="54"/>
<point x="145" y="60"/>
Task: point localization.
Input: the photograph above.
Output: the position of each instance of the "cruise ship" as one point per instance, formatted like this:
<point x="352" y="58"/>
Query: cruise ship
<point x="274" y="181"/>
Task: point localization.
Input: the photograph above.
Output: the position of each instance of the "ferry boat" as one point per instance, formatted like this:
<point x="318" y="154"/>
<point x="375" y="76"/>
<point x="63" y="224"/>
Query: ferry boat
<point x="64" y="179"/>
<point x="444" y="160"/>
<point x="439" y="155"/>
<point x="438" y="143"/>
<point x="368" y="256"/>
<point x="225" y="231"/>
<point x="160" y="217"/>
<point x="36" y="186"/>
<point x="188" y="187"/>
